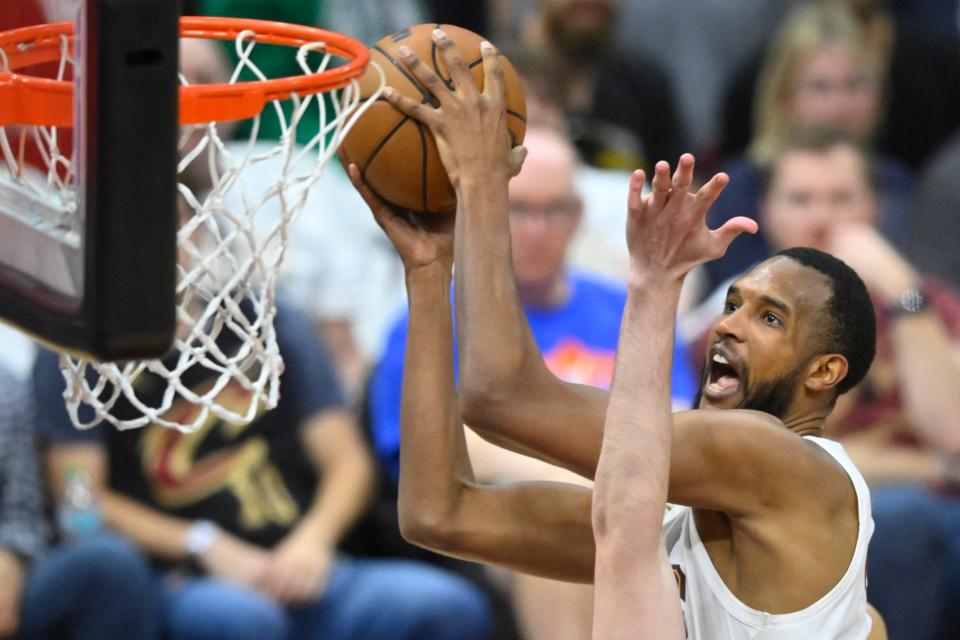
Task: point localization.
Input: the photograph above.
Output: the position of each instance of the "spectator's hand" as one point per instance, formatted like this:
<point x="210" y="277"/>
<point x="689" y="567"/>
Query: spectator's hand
<point x="298" y="570"/>
<point x="470" y="126"/>
<point x="885" y="272"/>
<point x="666" y="231"/>
<point x="234" y="560"/>
<point x="421" y="240"/>
<point x="11" y="586"/>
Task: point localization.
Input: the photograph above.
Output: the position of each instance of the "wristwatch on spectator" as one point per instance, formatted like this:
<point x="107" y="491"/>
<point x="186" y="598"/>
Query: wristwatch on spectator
<point x="910" y="302"/>
<point x="200" y="537"/>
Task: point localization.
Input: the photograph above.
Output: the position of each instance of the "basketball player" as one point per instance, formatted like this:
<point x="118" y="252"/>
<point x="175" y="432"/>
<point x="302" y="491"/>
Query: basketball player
<point x="773" y="536"/>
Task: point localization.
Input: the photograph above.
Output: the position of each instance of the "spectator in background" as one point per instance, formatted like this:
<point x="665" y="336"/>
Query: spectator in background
<point x="599" y="244"/>
<point x="821" y="71"/>
<point x="902" y="424"/>
<point x="919" y="67"/>
<point x="575" y="318"/>
<point x="244" y="520"/>
<point x="620" y="108"/>
<point x="933" y="235"/>
<point x="91" y="589"/>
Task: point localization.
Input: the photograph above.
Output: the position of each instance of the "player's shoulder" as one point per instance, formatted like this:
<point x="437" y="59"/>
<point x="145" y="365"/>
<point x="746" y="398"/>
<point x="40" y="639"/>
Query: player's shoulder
<point x="762" y="440"/>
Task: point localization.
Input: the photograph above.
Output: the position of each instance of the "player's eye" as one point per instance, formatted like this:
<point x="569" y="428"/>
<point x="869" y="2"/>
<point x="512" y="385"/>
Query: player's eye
<point x="772" y="319"/>
<point x="729" y="306"/>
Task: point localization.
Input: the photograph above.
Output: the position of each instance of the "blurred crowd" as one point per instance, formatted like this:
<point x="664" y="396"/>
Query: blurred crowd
<point x="836" y="121"/>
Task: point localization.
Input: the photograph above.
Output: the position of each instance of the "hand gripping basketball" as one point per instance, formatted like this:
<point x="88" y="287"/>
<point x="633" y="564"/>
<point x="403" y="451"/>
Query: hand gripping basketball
<point x="470" y="126"/>
<point x="445" y="78"/>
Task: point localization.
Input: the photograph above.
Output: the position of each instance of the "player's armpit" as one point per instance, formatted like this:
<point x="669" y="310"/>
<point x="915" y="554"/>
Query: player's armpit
<point x="540" y="528"/>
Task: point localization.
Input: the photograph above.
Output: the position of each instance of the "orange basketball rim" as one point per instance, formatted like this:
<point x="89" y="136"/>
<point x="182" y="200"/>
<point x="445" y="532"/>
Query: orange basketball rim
<point x="30" y="100"/>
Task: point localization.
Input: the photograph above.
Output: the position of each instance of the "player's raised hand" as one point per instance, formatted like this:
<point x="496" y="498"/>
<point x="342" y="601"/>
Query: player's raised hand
<point x="421" y="240"/>
<point x="469" y="125"/>
<point x="667" y="233"/>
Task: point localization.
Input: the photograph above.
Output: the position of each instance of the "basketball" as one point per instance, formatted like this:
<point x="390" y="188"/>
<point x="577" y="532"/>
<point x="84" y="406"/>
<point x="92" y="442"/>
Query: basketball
<point x="396" y="155"/>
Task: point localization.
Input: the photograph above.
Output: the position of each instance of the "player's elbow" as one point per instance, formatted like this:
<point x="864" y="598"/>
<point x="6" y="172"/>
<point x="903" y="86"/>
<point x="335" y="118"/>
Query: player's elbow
<point x="484" y="400"/>
<point x="477" y="405"/>
<point x="491" y="378"/>
<point x="427" y="527"/>
<point x="416" y="528"/>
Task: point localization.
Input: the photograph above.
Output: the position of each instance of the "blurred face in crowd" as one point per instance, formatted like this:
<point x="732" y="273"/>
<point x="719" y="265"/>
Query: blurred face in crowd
<point x="812" y="191"/>
<point x="545" y="209"/>
<point x="580" y="27"/>
<point x="835" y="89"/>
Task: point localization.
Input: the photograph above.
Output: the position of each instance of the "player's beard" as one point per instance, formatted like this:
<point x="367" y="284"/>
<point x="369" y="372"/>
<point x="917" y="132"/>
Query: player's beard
<point x="772" y="396"/>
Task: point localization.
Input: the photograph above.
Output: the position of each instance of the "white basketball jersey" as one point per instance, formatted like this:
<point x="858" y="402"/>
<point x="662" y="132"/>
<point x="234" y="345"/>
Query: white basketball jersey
<point x="711" y="611"/>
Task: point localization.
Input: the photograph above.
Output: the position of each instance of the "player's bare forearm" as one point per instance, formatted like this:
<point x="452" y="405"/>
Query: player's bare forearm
<point x="434" y="467"/>
<point x="496" y="345"/>
<point x="633" y="580"/>
<point x="633" y="470"/>
<point x="540" y="528"/>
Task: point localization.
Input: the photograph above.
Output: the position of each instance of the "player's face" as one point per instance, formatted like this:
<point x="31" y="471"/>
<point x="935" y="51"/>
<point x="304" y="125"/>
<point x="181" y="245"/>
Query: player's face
<point x="544" y="213"/>
<point x="813" y="192"/>
<point x="835" y="89"/>
<point x="762" y="342"/>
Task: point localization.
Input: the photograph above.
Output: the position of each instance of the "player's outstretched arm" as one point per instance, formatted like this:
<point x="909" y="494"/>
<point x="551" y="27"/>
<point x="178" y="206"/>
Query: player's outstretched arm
<point x="539" y="528"/>
<point x="507" y="394"/>
<point x="667" y="237"/>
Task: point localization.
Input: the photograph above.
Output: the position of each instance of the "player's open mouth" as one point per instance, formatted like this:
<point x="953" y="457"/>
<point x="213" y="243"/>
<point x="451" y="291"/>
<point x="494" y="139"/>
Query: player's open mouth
<point x="723" y="379"/>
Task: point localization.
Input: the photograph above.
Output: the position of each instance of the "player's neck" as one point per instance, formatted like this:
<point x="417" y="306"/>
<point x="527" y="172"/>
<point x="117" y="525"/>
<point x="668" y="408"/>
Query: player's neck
<point x="809" y="422"/>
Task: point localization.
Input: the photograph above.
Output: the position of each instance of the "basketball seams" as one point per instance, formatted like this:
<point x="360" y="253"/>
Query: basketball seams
<point x="426" y="96"/>
<point x="389" y="146"/>
<point x="382" y="144"/>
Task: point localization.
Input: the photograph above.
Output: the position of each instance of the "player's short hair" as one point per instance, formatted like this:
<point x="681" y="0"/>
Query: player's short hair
<point x="850" y="328"/>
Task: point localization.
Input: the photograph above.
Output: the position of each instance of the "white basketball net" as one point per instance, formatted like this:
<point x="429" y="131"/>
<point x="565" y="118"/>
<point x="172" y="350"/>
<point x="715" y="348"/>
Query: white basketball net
<point x="229" y="258"/>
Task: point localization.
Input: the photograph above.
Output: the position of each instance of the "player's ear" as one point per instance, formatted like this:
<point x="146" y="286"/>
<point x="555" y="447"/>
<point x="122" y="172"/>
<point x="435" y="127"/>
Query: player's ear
<point x="826" y="371"/>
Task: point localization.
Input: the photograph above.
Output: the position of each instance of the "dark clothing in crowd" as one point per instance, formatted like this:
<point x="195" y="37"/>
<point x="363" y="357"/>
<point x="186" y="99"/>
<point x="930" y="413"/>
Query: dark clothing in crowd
<point x="933" y="235"/>
<point x="633" y="120"/>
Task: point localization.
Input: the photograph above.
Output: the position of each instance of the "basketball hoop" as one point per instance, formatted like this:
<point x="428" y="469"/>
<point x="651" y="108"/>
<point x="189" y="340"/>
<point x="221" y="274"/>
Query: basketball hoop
<point x="228" y="258"/>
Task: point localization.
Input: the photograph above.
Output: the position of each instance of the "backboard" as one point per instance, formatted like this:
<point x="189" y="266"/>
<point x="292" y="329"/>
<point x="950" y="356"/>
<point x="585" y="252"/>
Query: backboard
<point x="88" y="211"/>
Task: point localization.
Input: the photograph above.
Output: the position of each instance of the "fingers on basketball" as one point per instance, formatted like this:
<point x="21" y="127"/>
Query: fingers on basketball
<point x="395" y="150"/>
<point x="425" y="75"/>
<point x="492" y="72"/>
<point x="460" y="77"/>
